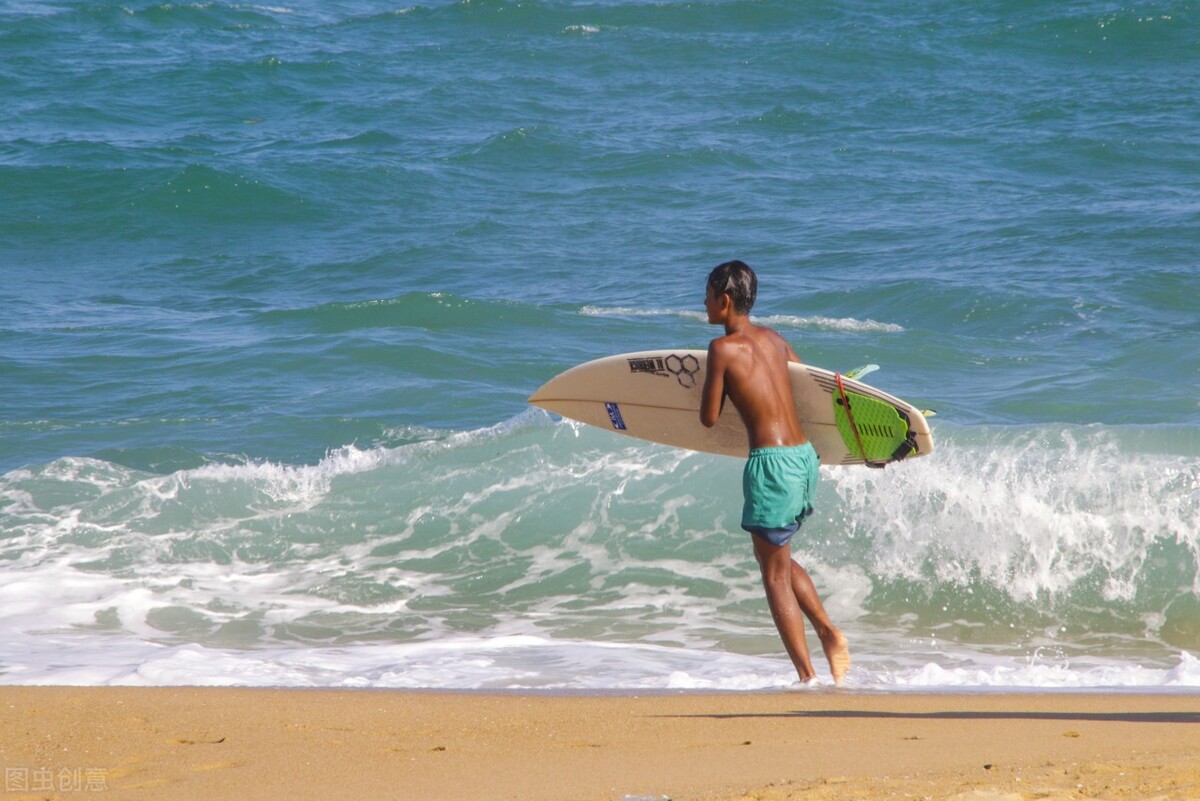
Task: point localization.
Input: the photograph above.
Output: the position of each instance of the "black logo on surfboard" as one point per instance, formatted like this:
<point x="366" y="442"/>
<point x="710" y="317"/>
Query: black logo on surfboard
<point x="685" y="368"/>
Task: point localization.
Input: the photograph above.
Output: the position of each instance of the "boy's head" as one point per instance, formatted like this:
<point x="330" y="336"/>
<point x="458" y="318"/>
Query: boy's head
<point x="736" y="279"/>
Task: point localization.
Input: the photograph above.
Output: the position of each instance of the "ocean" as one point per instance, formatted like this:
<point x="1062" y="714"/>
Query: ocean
<point x="278" y="280"/>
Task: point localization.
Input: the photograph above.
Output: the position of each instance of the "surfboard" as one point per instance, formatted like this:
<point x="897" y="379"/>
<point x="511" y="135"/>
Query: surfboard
<point x="655" y="395"/>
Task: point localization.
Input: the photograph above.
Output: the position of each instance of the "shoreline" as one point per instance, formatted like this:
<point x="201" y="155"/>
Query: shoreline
<point x="830" y="744"/>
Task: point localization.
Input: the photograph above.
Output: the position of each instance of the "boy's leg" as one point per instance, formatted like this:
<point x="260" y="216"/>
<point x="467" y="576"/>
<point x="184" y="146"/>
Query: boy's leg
<point x="775" y="562"/>
<point x="833" y="642"/>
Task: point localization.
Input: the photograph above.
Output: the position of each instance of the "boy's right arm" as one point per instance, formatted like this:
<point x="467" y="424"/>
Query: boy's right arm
<point x="713" y="396"/>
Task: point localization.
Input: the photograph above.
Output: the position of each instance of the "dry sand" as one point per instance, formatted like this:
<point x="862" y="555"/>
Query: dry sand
<point x="201" y="743"/>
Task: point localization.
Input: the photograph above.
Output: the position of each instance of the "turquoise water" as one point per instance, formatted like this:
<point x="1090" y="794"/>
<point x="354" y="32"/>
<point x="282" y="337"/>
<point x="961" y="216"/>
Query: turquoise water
<point x="279" y="279"/>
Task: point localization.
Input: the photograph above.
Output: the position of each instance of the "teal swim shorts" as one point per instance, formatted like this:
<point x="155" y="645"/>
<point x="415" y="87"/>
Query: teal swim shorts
<point x="778" y="485"/>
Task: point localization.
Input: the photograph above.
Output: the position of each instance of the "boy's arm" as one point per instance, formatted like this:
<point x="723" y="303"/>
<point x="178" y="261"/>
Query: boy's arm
<point x="713" y="397"/>
<point x="791" y="354"/>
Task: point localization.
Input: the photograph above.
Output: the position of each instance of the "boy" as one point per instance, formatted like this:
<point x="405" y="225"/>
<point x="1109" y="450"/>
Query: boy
<point x="749" y="366"/>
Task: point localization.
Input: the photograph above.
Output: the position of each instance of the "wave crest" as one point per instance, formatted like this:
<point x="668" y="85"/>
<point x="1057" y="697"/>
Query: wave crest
<point x="845" y="324"/>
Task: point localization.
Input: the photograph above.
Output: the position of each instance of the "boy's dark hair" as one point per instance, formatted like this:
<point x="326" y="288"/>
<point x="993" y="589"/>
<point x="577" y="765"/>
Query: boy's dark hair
<point x="736" y="278"/>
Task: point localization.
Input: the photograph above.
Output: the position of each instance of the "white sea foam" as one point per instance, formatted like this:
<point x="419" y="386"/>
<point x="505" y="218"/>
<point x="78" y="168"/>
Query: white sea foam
<point x="1015" y="675"/>
<point x="435" y="563"/>
<point x="531" y="662"/>
<point x="1035" y="513"/>
<point x="846" y="324"/>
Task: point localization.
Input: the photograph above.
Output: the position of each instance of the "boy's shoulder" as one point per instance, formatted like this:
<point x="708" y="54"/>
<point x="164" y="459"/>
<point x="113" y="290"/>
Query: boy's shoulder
<point x="751" y="332"/>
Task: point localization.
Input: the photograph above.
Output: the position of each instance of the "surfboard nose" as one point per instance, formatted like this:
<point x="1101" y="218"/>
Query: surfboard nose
<point x="546" y="392"/>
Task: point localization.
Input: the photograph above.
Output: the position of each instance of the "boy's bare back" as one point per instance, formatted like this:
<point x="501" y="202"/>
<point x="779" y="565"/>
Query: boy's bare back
<point x="749" y="365"/>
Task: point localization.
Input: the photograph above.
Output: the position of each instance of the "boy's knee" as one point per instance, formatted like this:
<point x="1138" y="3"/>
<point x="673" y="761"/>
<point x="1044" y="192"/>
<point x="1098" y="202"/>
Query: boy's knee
<point x="776" y="571"/>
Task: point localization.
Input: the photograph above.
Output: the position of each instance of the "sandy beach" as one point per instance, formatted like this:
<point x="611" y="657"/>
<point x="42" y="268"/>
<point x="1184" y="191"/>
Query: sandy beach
<point x="197" y="743"/>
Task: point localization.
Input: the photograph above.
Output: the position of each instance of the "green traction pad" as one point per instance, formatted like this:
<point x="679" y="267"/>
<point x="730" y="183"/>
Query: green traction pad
<point x="880" y="426"/>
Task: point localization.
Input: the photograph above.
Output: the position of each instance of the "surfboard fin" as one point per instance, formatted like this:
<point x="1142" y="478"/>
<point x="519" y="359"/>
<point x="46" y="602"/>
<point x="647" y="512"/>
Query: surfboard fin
<point x="859" y="372"/>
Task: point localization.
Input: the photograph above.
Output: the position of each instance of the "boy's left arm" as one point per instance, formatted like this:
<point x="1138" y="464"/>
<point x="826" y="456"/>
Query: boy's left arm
<point x="791" y="354"/>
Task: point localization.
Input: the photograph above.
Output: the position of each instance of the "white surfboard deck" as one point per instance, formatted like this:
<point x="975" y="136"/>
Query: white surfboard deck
<point x="655" y="395"/>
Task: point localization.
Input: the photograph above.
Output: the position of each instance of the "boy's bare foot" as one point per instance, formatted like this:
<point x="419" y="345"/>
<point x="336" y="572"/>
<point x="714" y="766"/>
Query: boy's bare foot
<point x="805" y="684"/>
<point x="837" y="651"/>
